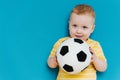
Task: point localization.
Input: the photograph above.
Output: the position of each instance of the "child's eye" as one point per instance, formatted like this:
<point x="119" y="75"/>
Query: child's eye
<point x="74" y="25"/>
<point x="85" y="27"/>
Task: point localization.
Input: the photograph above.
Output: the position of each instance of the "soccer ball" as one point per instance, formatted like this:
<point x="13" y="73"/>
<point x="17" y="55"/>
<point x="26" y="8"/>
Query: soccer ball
<point x="73" y="55"/>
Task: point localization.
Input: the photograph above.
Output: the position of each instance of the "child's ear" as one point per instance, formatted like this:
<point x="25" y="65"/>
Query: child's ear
<point x="93" y="27"/>
<point x="69" y="25"/>
<point x="69" y="22"/>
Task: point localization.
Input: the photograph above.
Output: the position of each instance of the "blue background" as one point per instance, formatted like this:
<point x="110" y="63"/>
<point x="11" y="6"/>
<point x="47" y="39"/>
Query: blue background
<point x="29" y="28"/>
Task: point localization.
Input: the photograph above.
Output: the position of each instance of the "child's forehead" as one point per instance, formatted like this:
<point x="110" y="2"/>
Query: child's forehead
<point x="82" y="18"/>
<point x="81" y="14"/>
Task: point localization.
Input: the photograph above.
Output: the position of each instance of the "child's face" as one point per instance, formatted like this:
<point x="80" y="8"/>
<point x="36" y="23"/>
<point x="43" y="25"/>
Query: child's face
<point x="81" y="26"/>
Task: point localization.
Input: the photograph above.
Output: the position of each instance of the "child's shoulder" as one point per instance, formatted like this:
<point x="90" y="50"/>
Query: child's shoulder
<point x="60" y="40"/>
<point x="91" y="41"/>
<point x="63" y="39"/>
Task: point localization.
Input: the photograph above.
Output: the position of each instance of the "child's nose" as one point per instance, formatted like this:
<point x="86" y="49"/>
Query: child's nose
<point x="79" y="31"/>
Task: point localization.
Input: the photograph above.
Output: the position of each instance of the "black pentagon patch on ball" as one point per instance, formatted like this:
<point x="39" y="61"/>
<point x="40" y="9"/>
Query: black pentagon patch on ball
<point x="64" y="50"/>
<point x="78" y="41"/>
<point x="81" y="56"/>
<point x="68" y="68"/>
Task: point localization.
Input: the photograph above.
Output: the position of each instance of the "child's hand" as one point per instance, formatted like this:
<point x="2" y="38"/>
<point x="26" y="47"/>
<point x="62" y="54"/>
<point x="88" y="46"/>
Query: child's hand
<point x="100" y="65"/>
<point x="52" y="62"/>
<point x="94" y="57"/>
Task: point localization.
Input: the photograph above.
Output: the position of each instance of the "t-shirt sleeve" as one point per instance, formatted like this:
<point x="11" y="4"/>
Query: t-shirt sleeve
<point x="98" y="51"/>
<point x="54" y="49"/>
<point x="56" y="46"/>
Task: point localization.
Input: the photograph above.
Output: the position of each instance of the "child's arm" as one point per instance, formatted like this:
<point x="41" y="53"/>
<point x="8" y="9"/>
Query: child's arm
<point x="100" y="65"/>
<point x="52" y="62"/>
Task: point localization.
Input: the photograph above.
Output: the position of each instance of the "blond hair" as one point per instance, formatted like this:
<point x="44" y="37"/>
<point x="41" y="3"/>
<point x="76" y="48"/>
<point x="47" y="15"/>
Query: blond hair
<point x="84" y="9"/>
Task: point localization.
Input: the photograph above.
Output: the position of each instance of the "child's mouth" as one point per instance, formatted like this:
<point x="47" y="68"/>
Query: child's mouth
<point x="77" y="36"/>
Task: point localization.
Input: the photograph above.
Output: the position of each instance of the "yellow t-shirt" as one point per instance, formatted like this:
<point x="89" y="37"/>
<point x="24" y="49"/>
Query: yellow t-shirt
<point x="89" y="73"/>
